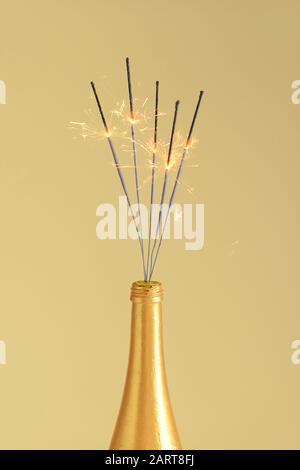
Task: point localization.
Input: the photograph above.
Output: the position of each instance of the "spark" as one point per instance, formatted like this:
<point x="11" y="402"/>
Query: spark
<point x="145" y="101"/>
<point x="133" y="120"/>
<point x="119" y="122"/>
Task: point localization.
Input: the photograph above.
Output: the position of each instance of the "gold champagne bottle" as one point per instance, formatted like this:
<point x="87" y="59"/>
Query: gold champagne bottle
<point x="146" y="420"/>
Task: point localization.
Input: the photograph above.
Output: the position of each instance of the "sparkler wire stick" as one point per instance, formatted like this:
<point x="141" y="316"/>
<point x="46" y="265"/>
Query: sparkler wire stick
<point x="185" y="152"/>
<point x="164" y="184"/>
<point x="137" y="182"/>
<point x="153" y="174"/>
<point x="116" y="160"/>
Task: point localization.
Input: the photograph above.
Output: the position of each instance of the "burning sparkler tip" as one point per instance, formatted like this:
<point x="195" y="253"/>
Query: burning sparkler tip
<point x="188" y="144"/>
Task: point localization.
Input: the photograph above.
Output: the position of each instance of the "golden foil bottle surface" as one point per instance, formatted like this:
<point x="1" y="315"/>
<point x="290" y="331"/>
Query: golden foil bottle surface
<point x="146" y="420"/>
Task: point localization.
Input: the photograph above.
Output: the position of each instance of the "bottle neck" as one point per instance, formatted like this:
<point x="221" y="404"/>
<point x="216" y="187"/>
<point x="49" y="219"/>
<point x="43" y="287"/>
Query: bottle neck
<point x="146" y="346"/>
<point x="146" y="292"/>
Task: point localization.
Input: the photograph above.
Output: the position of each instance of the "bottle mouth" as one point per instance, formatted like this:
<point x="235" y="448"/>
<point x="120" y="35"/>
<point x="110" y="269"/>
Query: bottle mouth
<point x="143" y="291"/>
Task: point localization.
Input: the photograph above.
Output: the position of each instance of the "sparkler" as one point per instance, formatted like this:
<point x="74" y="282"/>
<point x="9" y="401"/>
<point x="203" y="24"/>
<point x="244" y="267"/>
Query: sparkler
<point x="155" y="148"/>
<point x="153" y="173"/>
<point x="184" y="154"/>
<point x="164" y="184"/>
<point x="137" y="182"/>
<point x="116" y="160"/>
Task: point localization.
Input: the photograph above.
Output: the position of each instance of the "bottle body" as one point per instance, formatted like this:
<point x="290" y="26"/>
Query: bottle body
<point x="146" y="420"/>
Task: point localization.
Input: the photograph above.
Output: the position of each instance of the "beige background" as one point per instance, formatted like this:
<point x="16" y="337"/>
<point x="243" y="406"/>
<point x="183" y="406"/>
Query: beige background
<point x="232" y="309"/>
